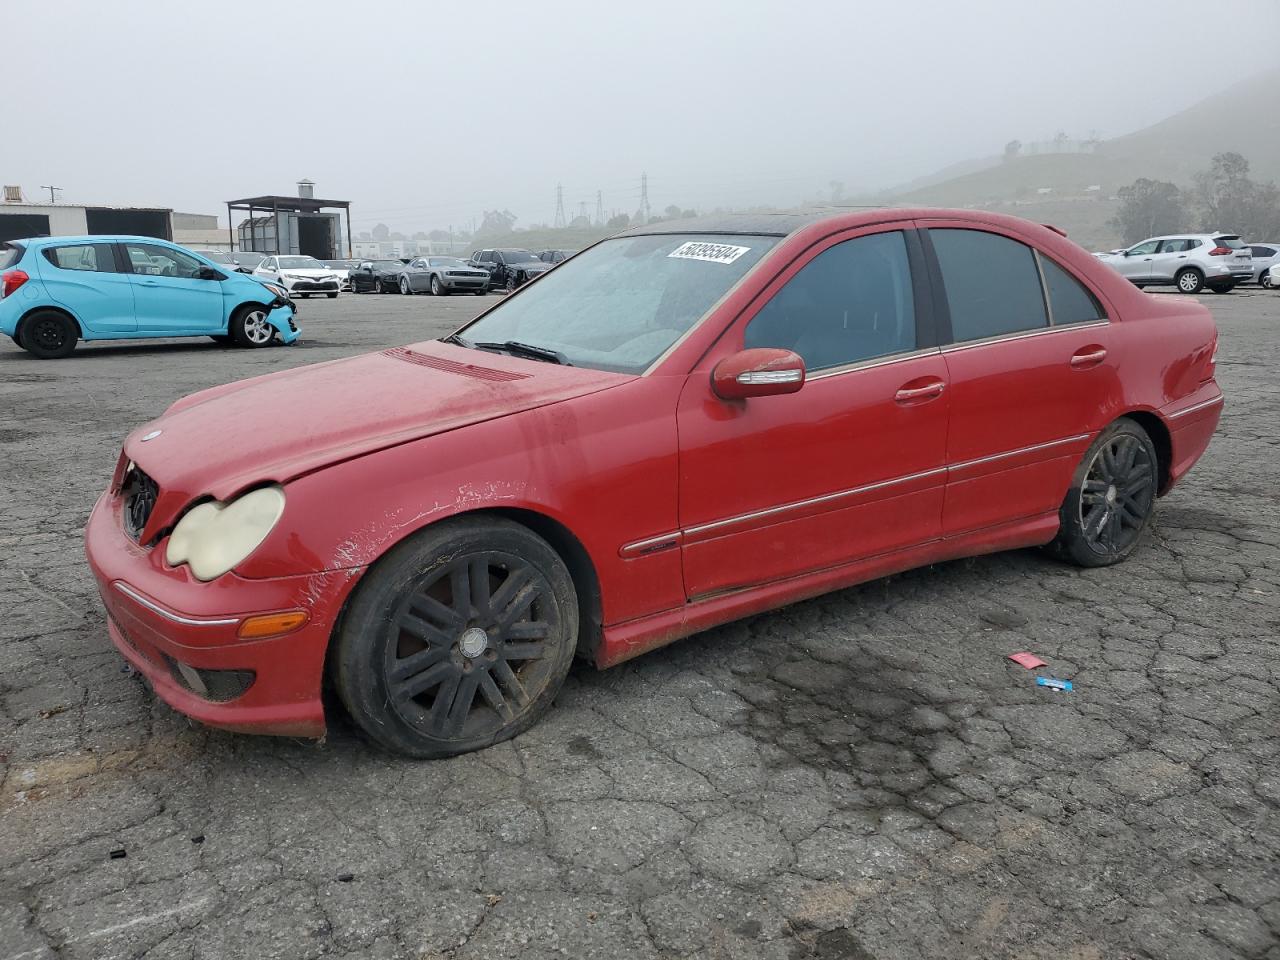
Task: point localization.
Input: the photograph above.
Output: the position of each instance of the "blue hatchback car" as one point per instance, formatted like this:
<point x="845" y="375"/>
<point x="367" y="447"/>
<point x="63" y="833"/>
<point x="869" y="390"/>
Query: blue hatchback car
<point x="56" y="291"/>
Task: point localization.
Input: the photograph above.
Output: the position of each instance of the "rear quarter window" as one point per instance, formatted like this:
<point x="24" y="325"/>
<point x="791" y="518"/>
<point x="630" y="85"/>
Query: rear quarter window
<point x="1069" y="300"/>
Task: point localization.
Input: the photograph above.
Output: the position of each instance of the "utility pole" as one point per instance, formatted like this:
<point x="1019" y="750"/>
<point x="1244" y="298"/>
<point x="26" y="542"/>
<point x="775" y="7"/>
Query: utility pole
<point x="644" y="198"/>
<point x="52" y="191"/>
<point x="599" y="209"/>
<point x="559" y="221"/>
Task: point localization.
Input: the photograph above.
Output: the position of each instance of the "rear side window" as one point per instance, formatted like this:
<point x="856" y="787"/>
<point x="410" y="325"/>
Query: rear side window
<point x="852" y="302"/>
<point x="1257" y="252"/>
<point x="10" y="253"/>
<point x="991" y="282"/>
<point x="92" y="257"/>
<point x="1069" y="300"/>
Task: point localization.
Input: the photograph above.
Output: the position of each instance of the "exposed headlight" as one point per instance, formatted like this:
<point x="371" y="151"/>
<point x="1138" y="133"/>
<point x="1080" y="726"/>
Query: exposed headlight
<point x="213" y="537"/>
<point x="278" y="290"/>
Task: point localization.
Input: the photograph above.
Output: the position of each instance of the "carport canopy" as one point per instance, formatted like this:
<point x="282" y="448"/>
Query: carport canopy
<point x="275" y="204"/>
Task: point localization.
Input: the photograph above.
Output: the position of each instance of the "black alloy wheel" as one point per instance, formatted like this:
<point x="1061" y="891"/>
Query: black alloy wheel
<point x="48" y="335"/>
<point x="1112" y="497"/>
<point x="457" y="639"/>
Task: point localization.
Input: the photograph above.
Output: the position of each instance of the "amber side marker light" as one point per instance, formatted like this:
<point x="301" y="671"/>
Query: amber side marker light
<point x="271" y="624"/>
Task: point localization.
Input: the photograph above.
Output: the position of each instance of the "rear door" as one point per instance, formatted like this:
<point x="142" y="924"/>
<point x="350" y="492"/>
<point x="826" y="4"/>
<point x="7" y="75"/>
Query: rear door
<point x="1030" y="374"/>
<point x="85" y="278"/>
<point x="168" y="295"/>
<point x="1169" y="258"/>
<point x="849" y="467"/>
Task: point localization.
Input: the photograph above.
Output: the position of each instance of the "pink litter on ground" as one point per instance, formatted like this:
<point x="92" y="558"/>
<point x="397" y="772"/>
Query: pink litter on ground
<point x="1028" y="660"/>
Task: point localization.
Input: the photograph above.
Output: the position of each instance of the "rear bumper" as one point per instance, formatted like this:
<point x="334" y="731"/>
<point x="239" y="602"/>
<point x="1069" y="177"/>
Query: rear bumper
<point x="174" y="630"/>
<point x="1192" y="422"/>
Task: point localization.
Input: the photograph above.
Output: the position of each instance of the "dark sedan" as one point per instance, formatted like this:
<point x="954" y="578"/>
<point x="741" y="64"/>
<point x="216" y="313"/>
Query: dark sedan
<point x="376" y="276"/>
<point x="508" y="268"/>
<point x="441" y="276"/>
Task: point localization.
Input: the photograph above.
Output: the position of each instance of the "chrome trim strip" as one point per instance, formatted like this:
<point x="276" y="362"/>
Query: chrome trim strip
<point x="168" y="615"/>
<point x="652" y="545"/>
<point x="1196" y="406"/>
<point x="798" y="504"/>
<point x="876" y="362"/>
<point x="1023" y="335"/>
<point x="1020" y="450"/>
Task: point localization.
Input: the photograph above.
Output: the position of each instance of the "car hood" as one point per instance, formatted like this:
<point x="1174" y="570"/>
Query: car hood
<point x="532" y="266"/>
<point x="306" y="272"/>
<point x="220" y="441"/>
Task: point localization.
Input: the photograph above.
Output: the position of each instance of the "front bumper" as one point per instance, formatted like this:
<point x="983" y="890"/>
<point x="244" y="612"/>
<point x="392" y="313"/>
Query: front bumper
<point x="281" y="317"/>
<point x="311" y="286"/>
<point x="464" y="283"/>
<point x="181" y="634"/>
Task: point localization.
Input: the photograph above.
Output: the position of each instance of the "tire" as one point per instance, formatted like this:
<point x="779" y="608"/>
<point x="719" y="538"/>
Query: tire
<point x="437" y="288"/>
<point x="1112" y="498"/>
<point x="1265" y="280"/>
<point x="249" y="327"/>
<point x="1189" y="280"/>
<point x="426" y="676"/>
<point x="48" y="335"/>
<point x="511" y="283"/>
<point x="405" y="288"/>
<point x="482" y="292"/>
<point x="332" y="296"/>
<point x="382" y="285"/>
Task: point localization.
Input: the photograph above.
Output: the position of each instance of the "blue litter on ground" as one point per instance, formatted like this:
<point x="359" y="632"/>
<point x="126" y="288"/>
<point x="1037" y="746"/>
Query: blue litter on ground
<point x="1053" y="683"/>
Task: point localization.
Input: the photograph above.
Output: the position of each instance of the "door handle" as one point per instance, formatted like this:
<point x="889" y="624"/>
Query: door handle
<point x="913" y="391"/>
<point x="1087" y="357"/>
<point x="148" y="283"/>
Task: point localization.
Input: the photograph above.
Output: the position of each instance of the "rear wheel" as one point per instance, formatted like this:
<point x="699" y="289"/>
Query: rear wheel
<point x="249" y="327"/>
<point x="48" y="335"/>
<point x="1112" y="498"/>
<point x="457" y="639"/>
<point x="1190" y="280"/>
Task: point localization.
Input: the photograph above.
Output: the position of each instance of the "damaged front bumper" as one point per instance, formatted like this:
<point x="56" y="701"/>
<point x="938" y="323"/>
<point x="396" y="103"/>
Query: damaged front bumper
<point x="282" y="318"/>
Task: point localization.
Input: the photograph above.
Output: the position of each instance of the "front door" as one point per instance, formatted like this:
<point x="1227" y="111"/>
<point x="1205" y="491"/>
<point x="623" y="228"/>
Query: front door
<point x="169" y="297"/>
<point x="1135" y="264"/>
<point x="849" y="467"/>
<point x="84" y="278"/>
<point x="1029" y="371"/>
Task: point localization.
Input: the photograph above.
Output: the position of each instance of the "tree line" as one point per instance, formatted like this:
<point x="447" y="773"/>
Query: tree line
<point x="1223" y="197"/>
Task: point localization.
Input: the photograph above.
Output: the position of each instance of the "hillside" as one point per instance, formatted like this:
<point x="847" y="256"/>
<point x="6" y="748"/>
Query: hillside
<point x="1239" y="119"/>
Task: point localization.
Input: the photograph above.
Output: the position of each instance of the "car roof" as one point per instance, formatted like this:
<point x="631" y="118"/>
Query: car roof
<point x="97" y="238"/>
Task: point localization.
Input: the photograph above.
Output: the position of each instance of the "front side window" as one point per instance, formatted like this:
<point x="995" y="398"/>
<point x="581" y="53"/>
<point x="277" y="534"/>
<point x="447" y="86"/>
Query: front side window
<point x="1069" y="300"/>
<point x="852" y="302"/>
<point x="622" y="303"/>
<point x="93" y="257"/>
<point x="155" y="261"/>
<point x="991" y="282"/>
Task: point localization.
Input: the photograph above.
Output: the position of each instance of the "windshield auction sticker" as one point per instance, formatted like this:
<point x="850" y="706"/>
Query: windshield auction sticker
<point x="713" y="252"/>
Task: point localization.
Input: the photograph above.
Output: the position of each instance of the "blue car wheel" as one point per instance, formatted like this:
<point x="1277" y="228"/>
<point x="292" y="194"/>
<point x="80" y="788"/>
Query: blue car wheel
<point x="249" y="327"/>
<point x="48" y="335"/>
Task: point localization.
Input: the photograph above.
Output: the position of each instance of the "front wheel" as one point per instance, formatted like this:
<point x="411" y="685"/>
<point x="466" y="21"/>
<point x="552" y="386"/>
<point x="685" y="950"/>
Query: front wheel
<point x="1265" y="280"/>
<point x="1190" y="281"/>
<point x="1112" y="498"/>
<point x="437" y="288"/>
<point x="511" y="283"/>
<point x="457" y="639"/>
<point x="405" y="287"/>
<point x="249" y="328"/>
<point x="48" y="335"/>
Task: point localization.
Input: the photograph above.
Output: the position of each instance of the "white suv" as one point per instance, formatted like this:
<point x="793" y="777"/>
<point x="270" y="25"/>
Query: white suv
<point x="1188" y="261"/>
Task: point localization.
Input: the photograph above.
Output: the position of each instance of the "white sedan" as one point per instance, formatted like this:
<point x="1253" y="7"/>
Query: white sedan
<point x="301" y="276"/>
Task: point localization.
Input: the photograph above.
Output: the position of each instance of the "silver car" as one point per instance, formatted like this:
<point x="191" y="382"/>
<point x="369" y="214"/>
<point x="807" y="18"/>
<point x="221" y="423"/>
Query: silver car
<point x="1188" y="261"/>
<point x="1265" y="256"/>
<point x="442" y="276"/>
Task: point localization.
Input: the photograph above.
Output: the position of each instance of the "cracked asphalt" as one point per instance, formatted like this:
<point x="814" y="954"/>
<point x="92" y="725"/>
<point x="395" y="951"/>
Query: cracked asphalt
<point x="859" y="776"/>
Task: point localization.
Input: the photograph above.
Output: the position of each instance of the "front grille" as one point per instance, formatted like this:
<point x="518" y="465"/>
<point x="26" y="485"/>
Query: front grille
<point x="218" y="686"/>
<point x="315" y="285"/>
<point x="139" y="492"/>
<point x="464" y="273"/>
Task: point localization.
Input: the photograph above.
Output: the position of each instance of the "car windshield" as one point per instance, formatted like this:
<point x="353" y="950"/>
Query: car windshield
<point x="300" y="263"/>
<point x="619" y="305"/>
<point x="447" y="262"/>
<point x="338" y="264"/>
<point x="388" y="265"/>
<point x="215" y="256"/>
<point x="517" y="256"/>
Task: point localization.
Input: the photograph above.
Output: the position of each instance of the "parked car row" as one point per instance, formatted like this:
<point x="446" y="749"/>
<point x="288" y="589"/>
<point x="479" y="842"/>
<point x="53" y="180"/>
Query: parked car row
<point x="1193" y="261"/>
<point x="439" y="276"/>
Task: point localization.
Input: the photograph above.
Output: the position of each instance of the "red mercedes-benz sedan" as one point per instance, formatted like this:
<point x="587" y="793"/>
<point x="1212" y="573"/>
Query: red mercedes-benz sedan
<point x="685" y="424"/>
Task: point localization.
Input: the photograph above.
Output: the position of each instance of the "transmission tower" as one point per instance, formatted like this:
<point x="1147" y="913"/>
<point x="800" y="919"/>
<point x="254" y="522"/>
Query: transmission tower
<point x="644" y="198"/>
<point x="582" y="209"/>
<point x="559" y="221"/>
<point x="599" y="208"/>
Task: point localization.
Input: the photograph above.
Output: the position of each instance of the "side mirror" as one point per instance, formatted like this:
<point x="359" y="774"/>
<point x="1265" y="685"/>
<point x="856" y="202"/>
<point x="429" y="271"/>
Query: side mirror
<point x="761" y="372"/>
<point x="208" y="273"/>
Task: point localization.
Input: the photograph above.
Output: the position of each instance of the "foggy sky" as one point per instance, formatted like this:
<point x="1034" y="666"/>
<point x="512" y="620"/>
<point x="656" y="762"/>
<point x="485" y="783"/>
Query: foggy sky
<point x="424" y="114"/>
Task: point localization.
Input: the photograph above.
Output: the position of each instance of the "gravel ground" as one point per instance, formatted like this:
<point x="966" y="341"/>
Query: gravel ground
<point x="861" y="776"/>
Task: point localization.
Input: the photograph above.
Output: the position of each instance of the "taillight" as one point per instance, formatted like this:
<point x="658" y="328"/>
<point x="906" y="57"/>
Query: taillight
<point x="11" y="280"/>
<point x="1221" y="252"/>
<point x="1211" y="368"/>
